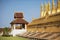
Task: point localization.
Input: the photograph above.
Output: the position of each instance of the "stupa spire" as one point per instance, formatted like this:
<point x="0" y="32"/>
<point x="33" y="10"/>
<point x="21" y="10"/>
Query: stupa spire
<point x="58" y="5"/>
<point x="48" y="5"/>
<point x="41" y="10"/>
<point x="53" y="7"/>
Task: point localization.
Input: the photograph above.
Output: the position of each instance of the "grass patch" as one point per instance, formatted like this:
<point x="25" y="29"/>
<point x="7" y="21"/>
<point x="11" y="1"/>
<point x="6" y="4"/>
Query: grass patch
<point x="12" y="38"/>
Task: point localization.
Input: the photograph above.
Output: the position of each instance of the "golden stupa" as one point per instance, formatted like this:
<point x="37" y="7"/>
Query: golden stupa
<point x="49" y="20"/>
<point x="47" y="26"/>
<point x="47" y="16"/>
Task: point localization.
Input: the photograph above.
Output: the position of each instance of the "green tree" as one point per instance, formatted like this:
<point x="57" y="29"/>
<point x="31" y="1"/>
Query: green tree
<point x="5" y="31"/>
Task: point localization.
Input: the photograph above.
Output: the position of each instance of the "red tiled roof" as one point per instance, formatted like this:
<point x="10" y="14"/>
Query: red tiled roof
<point x="18" y="21"/>
<point x="18" y="15"/>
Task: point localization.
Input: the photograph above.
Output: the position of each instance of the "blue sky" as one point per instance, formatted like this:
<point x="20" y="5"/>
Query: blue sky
<point x="30" y="8"/>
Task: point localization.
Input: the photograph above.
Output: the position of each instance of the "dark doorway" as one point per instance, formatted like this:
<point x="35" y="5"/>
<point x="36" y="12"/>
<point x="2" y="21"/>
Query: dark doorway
<point x="23" y="26"/>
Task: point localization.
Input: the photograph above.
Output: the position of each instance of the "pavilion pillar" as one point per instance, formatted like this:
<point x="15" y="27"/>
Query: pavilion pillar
<point x="14" y="27"/>
<point x="25" y="26"/>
